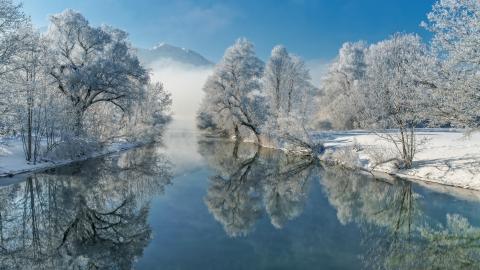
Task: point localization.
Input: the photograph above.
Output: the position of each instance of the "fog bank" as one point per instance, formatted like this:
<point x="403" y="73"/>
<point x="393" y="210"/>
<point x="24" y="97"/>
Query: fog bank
<point x="185" y="82"/>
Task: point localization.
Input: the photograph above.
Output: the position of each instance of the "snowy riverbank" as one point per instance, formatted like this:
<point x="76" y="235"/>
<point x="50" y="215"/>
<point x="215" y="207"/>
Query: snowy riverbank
<point x="12" y="158"/>
<point x="445" y="156"/>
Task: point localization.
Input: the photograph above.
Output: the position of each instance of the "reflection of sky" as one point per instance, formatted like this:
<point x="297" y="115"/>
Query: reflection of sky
<point x="181" y="148"/>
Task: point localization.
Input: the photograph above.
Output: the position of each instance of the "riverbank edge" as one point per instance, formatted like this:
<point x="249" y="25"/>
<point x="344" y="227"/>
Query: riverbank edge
<point x="376" y="173"/>
<point x="383" y="174"/>
<point x="430" y="183"/>
<point x="44" y="166"/>
<point x="388" y="175"/>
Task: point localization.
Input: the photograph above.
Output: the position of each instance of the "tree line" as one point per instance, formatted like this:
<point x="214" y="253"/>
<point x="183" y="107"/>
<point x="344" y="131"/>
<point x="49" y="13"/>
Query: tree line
<point x="391" y="87"/>
<point x="74" y="86"/>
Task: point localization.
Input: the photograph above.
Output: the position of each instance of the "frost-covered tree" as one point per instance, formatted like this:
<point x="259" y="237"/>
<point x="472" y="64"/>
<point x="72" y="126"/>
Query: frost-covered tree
<point x="455" y="25"/>
<point x="12" y="20"/>
<point x="291" y="96"/>
<point x="287" y="83"/>
<point x="342" y="102"/>
<point x="276" y="77"/>
<point x="233" y="95"/>
<point x="92" y="65"/>
<point x="395" y="90"/>
<point x="149" y="114"/>
<point x="29" y="81"/>
<point x="35" y="111"/>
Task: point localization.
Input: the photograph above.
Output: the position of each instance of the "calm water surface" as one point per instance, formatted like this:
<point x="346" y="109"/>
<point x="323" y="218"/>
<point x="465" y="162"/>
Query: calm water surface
<point x="215" y="205"/>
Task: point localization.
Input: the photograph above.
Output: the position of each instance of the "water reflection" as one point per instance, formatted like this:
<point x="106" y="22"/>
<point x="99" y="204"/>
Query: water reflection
<point x="275" y="212"/>
<point x="396" y="232"/>
<point x="398" y="227"/>
<point x="250" y="181"/>
<point x="92" y="215"/>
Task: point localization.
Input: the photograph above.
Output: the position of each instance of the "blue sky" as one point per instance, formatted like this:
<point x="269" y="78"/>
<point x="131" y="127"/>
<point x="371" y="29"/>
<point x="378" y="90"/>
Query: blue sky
<point x="309" y="28"/>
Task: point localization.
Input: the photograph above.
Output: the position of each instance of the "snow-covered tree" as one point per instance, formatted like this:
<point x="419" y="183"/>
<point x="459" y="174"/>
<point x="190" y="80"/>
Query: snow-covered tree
<point x="35" y="111"/>
<point x="455" y="25"/>
<point x="342" y="102"/>
<point x="81" y="79"/>
<point x="287" y="83"/>
<point x="291" y="96"/>
<point x="150" y="114"/>
<point x="395" y="90"/>
<point x="12" y="20"/>
<point x="275" y="77"/>
<point x="91" y="65"/>
<point x="233" y="95"/>
<point x="29" y="81"/>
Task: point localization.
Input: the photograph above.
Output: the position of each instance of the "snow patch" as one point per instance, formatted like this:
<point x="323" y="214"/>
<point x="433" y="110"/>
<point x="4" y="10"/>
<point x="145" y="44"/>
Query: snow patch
<point x="12" y="158"/>
<point x="447" y="157"/>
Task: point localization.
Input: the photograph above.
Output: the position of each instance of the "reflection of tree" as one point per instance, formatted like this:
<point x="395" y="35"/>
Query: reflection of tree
<point x="429" y="246"/>
<point x="121" y="233"/>
<point x="235" y="201"/>
<point x="285" y="191"/>
<point x="358" y="198"/>
<point x="89" y="216"/>
<point x="250" y="178"/>
<point x="396" y="234"/>
<point x="454" y="246"/>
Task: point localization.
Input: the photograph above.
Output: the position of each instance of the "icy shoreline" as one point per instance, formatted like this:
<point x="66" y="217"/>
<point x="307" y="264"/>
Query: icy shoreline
<point x="12" y="160"/>
<point x="447" y="156"/>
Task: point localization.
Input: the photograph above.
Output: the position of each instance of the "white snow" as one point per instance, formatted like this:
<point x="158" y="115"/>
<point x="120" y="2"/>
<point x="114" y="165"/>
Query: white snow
<point x="12" y="158"/>
<point x="445" y="156"/>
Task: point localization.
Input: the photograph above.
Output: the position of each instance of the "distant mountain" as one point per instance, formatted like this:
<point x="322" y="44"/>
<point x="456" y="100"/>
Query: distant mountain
<point x="168" y="53"/>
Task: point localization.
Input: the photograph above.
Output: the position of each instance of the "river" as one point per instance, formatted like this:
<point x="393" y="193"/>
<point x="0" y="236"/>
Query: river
<point x="211" y="204"/>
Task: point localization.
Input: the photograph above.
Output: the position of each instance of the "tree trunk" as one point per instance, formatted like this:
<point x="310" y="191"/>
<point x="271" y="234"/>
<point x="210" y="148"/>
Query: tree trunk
<point x="29" y="133"/>
<point x="259" y="140"/>
<point x="237" y="142"/>
<point x="277" y="95"/>
<point x="289" y="105"/>
<point x="78" y="125"/>
<point x="237" y="133"/>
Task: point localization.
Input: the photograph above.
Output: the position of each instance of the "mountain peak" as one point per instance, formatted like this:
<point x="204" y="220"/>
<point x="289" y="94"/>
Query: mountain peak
<point x="162" y="45"/>
<point x="167" y="52"/>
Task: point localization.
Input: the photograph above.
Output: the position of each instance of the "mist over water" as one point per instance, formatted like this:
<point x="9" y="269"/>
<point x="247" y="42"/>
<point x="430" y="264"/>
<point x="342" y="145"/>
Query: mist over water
<point x="185" y="83"/>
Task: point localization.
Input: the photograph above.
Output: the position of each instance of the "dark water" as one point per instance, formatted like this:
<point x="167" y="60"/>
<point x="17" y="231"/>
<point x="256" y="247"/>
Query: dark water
<point x="212" y="205"/>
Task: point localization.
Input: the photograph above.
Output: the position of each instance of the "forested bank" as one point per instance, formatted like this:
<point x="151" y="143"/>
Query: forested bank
<point x="401" y="83"/>
<point x="72" y="90"/>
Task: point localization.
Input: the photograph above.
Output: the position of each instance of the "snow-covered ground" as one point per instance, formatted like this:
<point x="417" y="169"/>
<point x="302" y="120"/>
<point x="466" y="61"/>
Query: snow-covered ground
<point x="12" y="158"/>
<point x="445" y="156"/>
